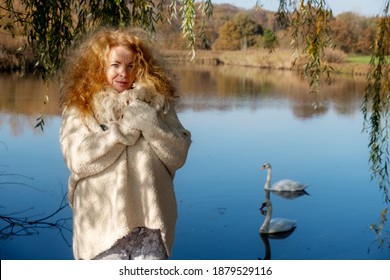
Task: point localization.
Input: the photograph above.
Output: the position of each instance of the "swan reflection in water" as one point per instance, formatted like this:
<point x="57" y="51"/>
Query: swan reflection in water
<point x="290" y="195"/>
<point x="265" y="238"/>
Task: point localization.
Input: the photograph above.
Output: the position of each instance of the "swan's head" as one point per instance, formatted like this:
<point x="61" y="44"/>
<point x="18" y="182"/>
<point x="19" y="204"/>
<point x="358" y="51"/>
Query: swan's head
<point x="266" y="166"/>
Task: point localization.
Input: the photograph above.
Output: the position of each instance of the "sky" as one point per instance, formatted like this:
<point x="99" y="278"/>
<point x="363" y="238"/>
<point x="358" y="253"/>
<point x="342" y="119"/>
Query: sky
<point x="361" y="7"/>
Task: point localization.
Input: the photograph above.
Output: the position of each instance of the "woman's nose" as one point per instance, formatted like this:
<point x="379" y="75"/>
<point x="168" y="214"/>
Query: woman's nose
<point x="123" y="72"/>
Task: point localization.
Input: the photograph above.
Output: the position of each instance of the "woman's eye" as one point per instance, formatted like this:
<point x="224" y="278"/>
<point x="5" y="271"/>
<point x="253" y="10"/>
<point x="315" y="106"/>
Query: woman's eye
<point x="130" y="66"/>
<point x="115" y="65"/>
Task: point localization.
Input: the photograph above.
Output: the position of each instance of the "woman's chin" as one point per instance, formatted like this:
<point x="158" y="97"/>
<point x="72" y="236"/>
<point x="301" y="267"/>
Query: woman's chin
<point x="119" y="89"/>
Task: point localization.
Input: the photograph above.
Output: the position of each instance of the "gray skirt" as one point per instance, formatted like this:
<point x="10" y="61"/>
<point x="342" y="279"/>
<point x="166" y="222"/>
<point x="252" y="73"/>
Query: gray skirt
<point x="141" y="244"/>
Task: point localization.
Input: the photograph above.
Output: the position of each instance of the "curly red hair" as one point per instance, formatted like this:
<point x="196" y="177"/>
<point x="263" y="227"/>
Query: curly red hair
<point x="84" y="72"/>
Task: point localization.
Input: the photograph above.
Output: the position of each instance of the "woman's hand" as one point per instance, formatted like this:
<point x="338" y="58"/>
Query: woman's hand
<point x="138" y="115"/>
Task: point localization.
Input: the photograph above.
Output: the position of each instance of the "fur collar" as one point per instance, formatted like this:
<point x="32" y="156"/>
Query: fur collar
<point x="108" y="105"/>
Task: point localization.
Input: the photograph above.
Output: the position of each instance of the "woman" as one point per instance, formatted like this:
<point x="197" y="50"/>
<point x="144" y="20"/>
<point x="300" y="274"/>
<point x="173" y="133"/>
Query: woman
<point x="123" y="142"/>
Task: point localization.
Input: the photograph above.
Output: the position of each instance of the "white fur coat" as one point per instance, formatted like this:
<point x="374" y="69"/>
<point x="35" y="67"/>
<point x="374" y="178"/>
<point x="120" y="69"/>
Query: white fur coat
<point x="122" y="161"/>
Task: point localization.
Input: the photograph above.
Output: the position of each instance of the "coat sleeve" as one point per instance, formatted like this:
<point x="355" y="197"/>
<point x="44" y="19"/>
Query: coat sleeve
<point x="89" y="149"/>
<point x="165" y="134"/>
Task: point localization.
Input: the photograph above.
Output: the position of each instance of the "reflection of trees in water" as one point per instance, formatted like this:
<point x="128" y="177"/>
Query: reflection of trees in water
<point x="19" y="123"/>
<point x="306" y="111"/>
<point x="205" y="87"/>
<point x="22" y="101"/>
<point x="27" y="95"/>
<point x="201" y="88"/>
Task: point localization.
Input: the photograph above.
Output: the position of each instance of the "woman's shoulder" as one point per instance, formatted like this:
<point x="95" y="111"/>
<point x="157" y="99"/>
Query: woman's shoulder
<point x="71" y="109"/>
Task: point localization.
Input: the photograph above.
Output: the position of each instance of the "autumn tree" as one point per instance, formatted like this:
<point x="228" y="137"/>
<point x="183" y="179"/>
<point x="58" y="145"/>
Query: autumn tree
<point x="353" y="33"/>
<point x="240" y="33"/>
<point x="269" y="40"/>
<point x="229" y="37"/>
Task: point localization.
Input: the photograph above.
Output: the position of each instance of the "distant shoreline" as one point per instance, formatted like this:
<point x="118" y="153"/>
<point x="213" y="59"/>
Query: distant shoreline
<point x="279" y="59"/>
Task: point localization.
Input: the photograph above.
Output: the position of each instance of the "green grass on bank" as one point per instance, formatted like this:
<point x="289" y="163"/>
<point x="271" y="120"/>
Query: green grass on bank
<point x="363" y="59"/>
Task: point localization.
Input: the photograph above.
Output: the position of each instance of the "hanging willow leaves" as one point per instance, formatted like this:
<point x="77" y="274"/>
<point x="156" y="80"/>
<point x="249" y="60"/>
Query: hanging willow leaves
<point x="52" y="26"/>
<point x="375" y="109"/>
<point x="375" y="105"/>
<point x="48" y="27"/>
<point x="310" y="37"/>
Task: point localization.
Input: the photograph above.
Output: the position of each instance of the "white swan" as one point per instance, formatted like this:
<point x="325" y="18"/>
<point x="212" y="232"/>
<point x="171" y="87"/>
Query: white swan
<point x="275" y="225"/>
<point x="282" y="185"/>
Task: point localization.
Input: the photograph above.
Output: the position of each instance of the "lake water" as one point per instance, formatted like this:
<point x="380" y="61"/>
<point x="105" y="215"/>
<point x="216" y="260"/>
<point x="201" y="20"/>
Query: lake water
<point x="240" y="118"/>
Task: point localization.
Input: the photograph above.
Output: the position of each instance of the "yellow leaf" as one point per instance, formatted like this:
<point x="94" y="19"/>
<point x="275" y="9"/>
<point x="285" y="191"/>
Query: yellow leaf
<point x="383" y="215"/>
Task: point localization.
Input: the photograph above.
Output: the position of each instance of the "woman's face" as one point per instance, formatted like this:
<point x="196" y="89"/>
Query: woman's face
<point x="120" y="72"/>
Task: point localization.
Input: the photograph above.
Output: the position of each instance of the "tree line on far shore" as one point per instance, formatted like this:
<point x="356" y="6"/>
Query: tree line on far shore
<point x="233" y="28"/>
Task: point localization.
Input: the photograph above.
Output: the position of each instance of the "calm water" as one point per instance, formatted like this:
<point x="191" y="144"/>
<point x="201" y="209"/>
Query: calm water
<point x="240" y="118"/>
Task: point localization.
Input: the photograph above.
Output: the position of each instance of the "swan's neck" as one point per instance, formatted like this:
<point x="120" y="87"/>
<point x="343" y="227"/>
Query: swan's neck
<point x="265" y="226"/>
<point x="267" y="185"/>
